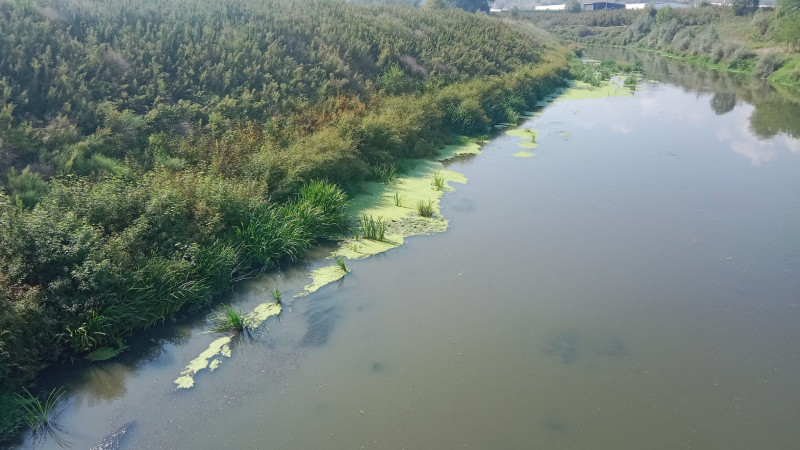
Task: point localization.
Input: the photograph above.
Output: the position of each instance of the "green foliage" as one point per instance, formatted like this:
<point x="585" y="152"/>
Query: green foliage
<point x="767" y="63"/>
<point x="372" y="228"/>
<point x="787" y="29"/>
<point x="151" y="153"/>
<point x="743" y="7"/>
<point x="340" y="262"/>
<point x="425" y="209"/>
<point x="39" y="416"/>
<point x="398" y="199"/>
<point x="788" y="5"/>
<point x="466" y="5"/>
<point x="664" y="15"/>
<point x="438" y="182"/>
<point x="573" y="6"/>
<point x="27" y="187"/>
<point x="228" y="320"/>
<point x="386" y="173"/>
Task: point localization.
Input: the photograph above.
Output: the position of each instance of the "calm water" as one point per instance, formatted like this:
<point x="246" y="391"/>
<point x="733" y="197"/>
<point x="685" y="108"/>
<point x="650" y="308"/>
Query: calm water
<point x="635" y="285"/>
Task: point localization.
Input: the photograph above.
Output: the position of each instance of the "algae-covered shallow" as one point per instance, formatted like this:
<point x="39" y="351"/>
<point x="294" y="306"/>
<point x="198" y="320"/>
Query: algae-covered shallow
<point x="633" y="286"/>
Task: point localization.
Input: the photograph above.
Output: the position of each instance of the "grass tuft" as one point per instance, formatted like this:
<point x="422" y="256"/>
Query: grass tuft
<point x="228" y="320"/>
<point x="39" y="416"/>
<point x="398" y="199"/>
<point x="425" y="209"/>
<point x="340" y="262"/>
<point x="386" y="173"/>
<point x="438" y="181"/>
<point x="372" y="228"/>
<point x="276" y="294"/>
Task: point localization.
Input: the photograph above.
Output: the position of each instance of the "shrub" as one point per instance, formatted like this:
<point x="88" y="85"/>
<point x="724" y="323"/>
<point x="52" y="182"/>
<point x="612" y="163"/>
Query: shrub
<point x="767" y="63"/>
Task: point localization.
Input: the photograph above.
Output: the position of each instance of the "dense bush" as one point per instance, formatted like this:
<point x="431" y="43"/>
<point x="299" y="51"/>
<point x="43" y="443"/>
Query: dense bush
<point x="767" y="63"/>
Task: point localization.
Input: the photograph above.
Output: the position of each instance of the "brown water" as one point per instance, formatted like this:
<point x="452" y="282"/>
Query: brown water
<point x="636" y="285"/>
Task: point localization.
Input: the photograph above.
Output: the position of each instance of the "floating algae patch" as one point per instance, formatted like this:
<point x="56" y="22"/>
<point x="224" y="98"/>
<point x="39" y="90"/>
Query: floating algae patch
<point x="362" y="248"/>
<point x="581" y="90"/>
<point x="464" y="148"/>
<point x="564" y="134"/>
<point x="214" y="364"/>
<point x="322" y="277"/>
<point x="261" y="313"/>
<point x="211" y="357"/>
<point x="527" y="134"/>
<point x="524" y="155"/>
<point x="221" y="346"/>
<point x="524" y="133"/>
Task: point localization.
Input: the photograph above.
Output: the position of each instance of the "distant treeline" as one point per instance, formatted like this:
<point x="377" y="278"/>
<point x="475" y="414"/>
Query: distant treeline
<point x="757" y="42"/>
<point x="153" y="152"/>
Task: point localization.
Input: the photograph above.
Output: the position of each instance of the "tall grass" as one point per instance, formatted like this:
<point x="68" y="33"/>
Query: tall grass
<point x="386" y="173"/>
<point x="372" y="228"/>
<point x="276" y="295"/>
<point x="227" y="320"/>
<point x="340" y="262"/>
<point x="280" y="232"/>
<point x="39" y="416"/>
<point x="438" y="181"/>
<point x="425" y="209"/>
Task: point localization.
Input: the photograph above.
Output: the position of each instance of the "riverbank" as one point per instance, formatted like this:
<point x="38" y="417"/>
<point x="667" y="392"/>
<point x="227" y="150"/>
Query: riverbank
<point x="755" y="44"/>
<point x="97" y="291"/>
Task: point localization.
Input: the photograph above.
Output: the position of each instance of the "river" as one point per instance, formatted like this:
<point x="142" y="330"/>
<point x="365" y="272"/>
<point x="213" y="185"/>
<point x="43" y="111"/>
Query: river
<point x="634" y="285"/>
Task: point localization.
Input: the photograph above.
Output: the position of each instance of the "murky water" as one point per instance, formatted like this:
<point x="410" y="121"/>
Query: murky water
<point x="635" y="285"/>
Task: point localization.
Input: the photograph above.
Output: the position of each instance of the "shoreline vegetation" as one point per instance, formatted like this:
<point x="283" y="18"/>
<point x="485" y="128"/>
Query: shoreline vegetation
<point x="153" y="154"/>
<point x="762" y="43"/>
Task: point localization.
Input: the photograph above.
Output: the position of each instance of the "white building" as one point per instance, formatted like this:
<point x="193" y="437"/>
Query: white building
<point x="550" y="8"/>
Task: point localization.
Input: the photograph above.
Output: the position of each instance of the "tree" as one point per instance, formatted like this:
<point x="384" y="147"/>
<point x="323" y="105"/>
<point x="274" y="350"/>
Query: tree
<point x="788" y="6"/>
<point x="743" y="7"/>
<point x="787" y="29"/>
<point x="573" y="6"/>
<point x="471" y="5"/>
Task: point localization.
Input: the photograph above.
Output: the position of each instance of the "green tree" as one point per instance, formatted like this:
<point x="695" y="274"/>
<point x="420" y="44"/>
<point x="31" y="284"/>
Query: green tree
<point x="743" y="7"/>
<point x="787" y="29"/>
<point x="573" y="6"/>
<point x="788" y="6"/>
<point x="664" y="15"/>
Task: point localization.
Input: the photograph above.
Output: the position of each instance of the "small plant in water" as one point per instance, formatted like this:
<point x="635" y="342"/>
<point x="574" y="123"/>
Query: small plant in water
<point x="398" y="199"/>
<point x="228" y="320"/>
<point x="39" y="416"/>
<point x="340" y="262"/>
<point x="386" y="173"/>
<point x="438" y="181"/>
<point x="425" y="209"/>
<point x="276" y="295"/>
<point x="372" y="228"/>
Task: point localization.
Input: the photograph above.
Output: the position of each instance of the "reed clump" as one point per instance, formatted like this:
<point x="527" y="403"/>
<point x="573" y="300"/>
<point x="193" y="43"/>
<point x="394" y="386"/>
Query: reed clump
<point x="425" y="209"/>
<point x="372" y="228"/>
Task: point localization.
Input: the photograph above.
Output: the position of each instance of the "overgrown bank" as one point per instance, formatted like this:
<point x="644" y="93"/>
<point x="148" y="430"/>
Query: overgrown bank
<point x="761" y="43"/>
<point x="151" y="155"/>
